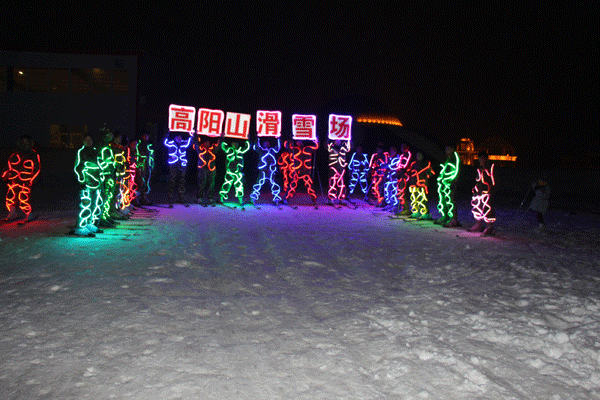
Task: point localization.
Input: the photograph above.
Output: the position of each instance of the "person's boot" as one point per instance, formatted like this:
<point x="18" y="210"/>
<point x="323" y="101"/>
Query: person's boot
<point x="453" y="223"/>
<point x="489" y="230"/>
<point x="478" y="227"/>
<point x="12" y="214"/>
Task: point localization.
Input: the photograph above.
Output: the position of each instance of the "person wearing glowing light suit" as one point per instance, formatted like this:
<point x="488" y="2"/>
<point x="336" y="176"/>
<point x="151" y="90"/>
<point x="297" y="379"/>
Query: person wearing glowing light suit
<point x="177" y="147"/>
<point x="337" y="168"/>
<point x="391" y="183"/>
<point x="207" y="169"/>
<point x="377" y="169"/>
<point x="302" y="168"/>
<point x="420" y="172"/>
<point x="359" y="169"/>
<point x="23" y="169"/>
<point x="403" y="176"/>
<point x="447" y="187"/>
<point x="267" y="168"/>
<point x="87" y="169"/>
<point x="106" y="161"/>
<point x="482" y="198"/>
<point x="286" y="164"/>
<point x="144" y="156"/>
<point x="120" y="152"/>
<point x="234" y="168"/>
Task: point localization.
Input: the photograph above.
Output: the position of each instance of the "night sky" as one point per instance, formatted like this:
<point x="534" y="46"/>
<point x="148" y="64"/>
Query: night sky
<point x="528" y="74"/>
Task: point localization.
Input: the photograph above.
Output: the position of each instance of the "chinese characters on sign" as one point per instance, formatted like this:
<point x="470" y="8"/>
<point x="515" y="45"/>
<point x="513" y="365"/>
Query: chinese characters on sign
<point x="268" y="123"/>
<point x="216" y="123"/>
<point x="237" y="126"/>
<point x="181" y="118"/>
<point x="210" y="122"/>
<point x="340" y="127"/>
<point x="304" y="127"/>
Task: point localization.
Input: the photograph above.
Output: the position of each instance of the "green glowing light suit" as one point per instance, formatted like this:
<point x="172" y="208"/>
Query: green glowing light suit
<point x="106" y="160"/>
<point x="88" y="173"/>
<point x="447" y="186"/>
<point x="234" y="170"/>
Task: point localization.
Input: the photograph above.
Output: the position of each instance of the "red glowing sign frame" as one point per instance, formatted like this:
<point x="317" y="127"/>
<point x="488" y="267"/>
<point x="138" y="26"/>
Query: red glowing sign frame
<point x="304" y="127"/>
<point x="340" y="127"/>
<point x="268" y="123"/>
<point x="210" y="122"/>
<point x="237" y="125"/>
<point x="181" y="118"/>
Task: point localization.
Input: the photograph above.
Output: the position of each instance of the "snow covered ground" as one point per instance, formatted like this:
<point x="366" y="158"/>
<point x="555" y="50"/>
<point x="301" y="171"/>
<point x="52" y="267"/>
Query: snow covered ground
<point x="214" y="303"/>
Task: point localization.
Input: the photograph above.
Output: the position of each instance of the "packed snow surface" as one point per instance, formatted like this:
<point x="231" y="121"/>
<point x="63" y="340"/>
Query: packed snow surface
<point x="218" y="303"/>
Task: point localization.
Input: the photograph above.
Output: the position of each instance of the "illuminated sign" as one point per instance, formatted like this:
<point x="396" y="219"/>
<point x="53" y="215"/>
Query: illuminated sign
<point x="237" y="126"/>
<point x="181" y="118"/>
<point x="304" y="127"/>
<point x="268" y="124"/>
<point x="210" y="122"/>
<point x="340" y="127"/>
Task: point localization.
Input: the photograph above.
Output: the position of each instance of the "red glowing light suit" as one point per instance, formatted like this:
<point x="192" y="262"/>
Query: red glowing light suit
<point x="23" y="169"/>
<point x="403" y="176"/>
<point x="285" y="163"/>
<point x="302" y="168"/>
<point x="378" y="171"/>
<point x="480" y="201"/>
<point x="337" y="169"/>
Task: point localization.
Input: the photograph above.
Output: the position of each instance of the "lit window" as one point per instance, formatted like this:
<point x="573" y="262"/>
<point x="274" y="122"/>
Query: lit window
<point x="19" y="79"/>
<point x="58" y="80"/>
<point x="67" y="136"/>
<point x="120" y="81"/>
<point x="37" y="80"/>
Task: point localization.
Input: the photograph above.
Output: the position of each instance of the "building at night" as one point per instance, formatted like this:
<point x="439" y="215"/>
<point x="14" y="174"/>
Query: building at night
<point x="58" y="97"/>
<point x="498" y="149"/>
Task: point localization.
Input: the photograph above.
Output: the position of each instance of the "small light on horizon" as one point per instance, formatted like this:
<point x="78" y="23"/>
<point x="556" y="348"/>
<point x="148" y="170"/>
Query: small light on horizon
<point x="20" y="72"/>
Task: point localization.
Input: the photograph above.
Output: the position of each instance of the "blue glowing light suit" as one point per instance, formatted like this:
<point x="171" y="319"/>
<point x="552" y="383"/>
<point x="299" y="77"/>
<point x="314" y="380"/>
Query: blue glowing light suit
<point x="177" y="161"/>
<point x="144" y="165"/>
<point x="391" y="183"/>
<point x="267" y="168"/>
<point x="359" y="169"/>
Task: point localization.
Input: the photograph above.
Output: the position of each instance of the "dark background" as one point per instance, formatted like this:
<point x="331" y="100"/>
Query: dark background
<point x="527" y="74"/>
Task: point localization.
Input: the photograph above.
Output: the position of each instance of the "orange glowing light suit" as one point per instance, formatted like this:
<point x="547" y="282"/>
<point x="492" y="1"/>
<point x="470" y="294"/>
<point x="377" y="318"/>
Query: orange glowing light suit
<point x="378" y="171"/>
<point x="23" y="169"/>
